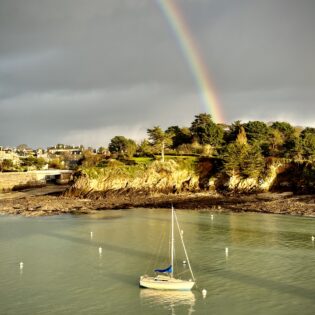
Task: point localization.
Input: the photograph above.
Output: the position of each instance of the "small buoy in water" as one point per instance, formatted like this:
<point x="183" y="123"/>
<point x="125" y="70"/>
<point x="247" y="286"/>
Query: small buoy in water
<point x="313" y="238"/>
<point x="182" y="232"/>
<point x="212" y="217"/>
<point x="100" y="250"/>
<point x="204" y="293"/>
<point x="21" y="265"/>
<point x="226" y="251"/>
<point x="91" y="233"/>
<point x="184" y="262"/>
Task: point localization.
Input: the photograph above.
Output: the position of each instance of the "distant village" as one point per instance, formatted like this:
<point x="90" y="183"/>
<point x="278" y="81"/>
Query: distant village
<point x="24" y="158"/>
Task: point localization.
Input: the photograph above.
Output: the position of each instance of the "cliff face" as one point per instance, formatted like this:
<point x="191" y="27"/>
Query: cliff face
<point x="167" y="177"/>
<point x="173" y="177"/>
<point x="263" y="184"/>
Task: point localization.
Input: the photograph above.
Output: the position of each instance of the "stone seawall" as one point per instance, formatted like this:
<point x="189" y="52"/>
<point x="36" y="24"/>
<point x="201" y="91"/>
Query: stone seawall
<point x="10" y="181"/>
<point x="19" y="180"/>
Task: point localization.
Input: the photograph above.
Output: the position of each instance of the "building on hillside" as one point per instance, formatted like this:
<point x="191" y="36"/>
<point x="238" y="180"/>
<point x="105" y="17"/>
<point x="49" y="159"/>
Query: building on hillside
<point x="64" y="150"/>
<point x="41" y="153"/>
<point x="69" y="156"/>
<point x="7" y="153"/>
<point x="26" y="152"/>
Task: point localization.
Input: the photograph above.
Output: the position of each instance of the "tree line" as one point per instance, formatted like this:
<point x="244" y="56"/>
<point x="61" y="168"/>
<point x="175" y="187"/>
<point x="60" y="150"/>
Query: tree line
<point x="242" y="147"/>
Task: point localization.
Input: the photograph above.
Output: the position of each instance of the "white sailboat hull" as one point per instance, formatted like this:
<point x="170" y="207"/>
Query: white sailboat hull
<point x="165" y="283"/>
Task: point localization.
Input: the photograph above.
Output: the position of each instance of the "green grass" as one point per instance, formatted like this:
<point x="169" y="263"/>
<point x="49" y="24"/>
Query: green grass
<point x="142" y="160"/>
<point x="184" y="161"/>
<point x="113" y="169"/>
<point x="118" y="168"/>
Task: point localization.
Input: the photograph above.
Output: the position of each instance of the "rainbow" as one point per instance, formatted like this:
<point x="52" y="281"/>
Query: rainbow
<point x="193" y="57"/>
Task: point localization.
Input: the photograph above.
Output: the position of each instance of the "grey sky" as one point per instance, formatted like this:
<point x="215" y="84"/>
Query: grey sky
<point x="81" y="72"/>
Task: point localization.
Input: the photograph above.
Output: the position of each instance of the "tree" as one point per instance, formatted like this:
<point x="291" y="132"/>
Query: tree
<point x="34" y="162"/>
<point x="256" y="131"/>
<point x="145" y="148"/>
<point x="117" y="144"/>
<point x="122" y="146"/>
<point x="179" y="135"/>
<point x="22" y="147"/>
<point x="306" y="131"/>
<point x="160" y="138"/>
<point x="185" y="148"/>
<point x="6" y="165"/>
<point x="243" y="159"/>
<point x="253" y="162"/>
<point x="276" y="141"/>
<point x="56" y="163"/>
<point x="292" y="147"/>
<point x="205" y="131"/>
<point x="308" y="145"/>
<point x="89" y="159"/>
<point x="285" y="128"/>
<point x="102" y="150"/>
<point x="241" y="137"/>
<point x="233" y="131"/>
<point x="233" y="157"/>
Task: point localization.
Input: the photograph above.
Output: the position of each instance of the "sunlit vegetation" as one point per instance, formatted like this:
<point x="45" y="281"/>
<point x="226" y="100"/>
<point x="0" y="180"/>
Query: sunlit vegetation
<point x="242" y="147"/>
<point x="239" y="149"/>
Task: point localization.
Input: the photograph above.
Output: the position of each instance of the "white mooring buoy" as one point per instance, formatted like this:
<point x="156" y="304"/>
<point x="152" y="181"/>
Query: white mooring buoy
<point x="226" y="251"/>
<point x="21" y="265"/>
<point x="313" y="238"/>
<point x="204" y="293"/>
<point x="184" y="262"/>
<point x="91" y="234"/>
<point x="100" y="250"/>
<point x="211" y="217"/>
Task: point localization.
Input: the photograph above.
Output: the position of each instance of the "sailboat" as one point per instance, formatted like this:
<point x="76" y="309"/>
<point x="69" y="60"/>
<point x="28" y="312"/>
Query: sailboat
<point x="164" y="278"/>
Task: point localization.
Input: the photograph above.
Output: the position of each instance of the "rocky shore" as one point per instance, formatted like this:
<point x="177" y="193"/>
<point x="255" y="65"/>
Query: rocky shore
<point x="278" y="203"/>
<point x="158" y="185"/>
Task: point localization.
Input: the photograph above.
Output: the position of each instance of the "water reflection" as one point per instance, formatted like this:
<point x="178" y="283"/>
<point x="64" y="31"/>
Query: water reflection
<point x="250" y="228"/>
<point x="270" y="266"/>
<point x="171" y="300"/>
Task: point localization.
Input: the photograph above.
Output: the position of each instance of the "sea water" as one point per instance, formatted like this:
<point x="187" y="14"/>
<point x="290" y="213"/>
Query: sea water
<point x="269" y="267"/>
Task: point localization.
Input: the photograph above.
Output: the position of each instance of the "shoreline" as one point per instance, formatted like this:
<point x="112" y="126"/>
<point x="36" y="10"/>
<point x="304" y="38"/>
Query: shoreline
<point x="46" y="205"/>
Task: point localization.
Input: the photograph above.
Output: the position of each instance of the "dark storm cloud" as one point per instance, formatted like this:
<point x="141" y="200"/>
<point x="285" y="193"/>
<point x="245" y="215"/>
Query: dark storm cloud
<point x="84" y="71"/>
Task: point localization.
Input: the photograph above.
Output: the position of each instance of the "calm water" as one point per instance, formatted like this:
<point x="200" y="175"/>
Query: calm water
<point x="270" y="268"/>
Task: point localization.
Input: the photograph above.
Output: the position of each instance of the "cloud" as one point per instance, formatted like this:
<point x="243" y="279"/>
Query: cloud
<point x="283" y="104"/>
<point x="62" y="115"/>
<point x="101" y="136"/>
<point x="76" y="69"/>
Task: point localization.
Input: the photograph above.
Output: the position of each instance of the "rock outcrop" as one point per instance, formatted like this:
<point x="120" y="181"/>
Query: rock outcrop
<point x="263" y="184"/>
<point x="175" y="177"/>
<point x="158" y="177"/>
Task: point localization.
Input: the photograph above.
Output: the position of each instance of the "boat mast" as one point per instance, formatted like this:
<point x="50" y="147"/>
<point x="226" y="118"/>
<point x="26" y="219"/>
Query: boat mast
<point x="184" y="247"/>
<point x="172" y="244"/>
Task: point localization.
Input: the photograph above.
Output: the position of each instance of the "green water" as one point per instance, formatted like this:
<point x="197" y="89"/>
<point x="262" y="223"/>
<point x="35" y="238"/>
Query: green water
<point x="270" y="268"/>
